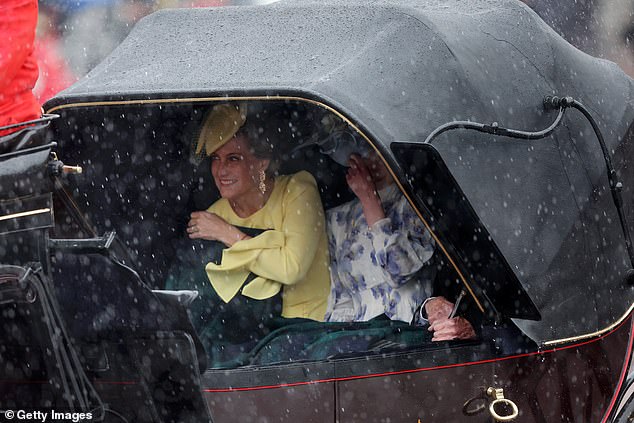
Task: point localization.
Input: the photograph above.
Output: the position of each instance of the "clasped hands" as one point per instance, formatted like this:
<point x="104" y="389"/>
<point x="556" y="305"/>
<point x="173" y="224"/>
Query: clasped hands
<point x="445" y="329"/>
<point x="210" y="226"/>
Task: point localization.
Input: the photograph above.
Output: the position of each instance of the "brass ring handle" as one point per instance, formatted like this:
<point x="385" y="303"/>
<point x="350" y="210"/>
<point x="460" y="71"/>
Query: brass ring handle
<point x="498" y="418"/>
<point x="474" y="406"/>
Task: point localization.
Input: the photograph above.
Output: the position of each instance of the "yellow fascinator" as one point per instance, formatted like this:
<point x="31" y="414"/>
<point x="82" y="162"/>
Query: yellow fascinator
<point x="220" y="125"/>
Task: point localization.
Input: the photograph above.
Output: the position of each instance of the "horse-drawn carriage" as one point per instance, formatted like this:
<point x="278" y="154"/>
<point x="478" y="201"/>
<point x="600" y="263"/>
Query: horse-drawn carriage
<point x="514" y="148"/>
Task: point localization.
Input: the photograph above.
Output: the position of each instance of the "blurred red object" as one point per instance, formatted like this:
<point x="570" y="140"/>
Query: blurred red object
<point x="55" y="74"/>
<point x="18" y="65"/>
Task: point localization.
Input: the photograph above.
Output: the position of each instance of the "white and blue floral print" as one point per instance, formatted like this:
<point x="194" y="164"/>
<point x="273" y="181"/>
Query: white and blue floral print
<point x="382" y="269"/>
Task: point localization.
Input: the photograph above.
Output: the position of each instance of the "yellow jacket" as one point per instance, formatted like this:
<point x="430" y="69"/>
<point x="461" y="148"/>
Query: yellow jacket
<point x="293" y="252"/>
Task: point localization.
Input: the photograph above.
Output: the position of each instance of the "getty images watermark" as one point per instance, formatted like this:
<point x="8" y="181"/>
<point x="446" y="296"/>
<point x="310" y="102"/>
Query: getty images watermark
<point x="45" y="416"/>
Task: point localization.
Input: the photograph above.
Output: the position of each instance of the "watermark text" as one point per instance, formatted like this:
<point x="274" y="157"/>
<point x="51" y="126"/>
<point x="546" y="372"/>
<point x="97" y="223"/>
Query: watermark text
<point x="45" y="416"/>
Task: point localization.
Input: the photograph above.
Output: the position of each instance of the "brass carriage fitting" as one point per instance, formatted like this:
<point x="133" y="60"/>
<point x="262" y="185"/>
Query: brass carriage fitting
<point x="71" y="169"/>
<point x="497" y="394"/>
<point x="57" y="168"/>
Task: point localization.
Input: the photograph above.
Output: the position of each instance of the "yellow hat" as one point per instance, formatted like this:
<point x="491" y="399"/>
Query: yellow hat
<point x="220" y="125"/>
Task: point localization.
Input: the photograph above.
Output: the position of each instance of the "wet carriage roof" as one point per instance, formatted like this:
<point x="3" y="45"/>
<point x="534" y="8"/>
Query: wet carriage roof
<point x="399" y="69"/>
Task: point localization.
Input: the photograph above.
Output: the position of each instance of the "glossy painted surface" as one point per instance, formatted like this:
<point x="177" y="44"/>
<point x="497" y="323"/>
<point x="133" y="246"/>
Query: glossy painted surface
<point x="307" y="403"/>
<point x="575" y="382"/>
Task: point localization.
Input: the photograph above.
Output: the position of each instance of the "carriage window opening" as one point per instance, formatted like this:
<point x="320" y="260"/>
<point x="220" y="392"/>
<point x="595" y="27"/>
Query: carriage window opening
<point x="382" y="264"/>
<point x="149" y="191"/>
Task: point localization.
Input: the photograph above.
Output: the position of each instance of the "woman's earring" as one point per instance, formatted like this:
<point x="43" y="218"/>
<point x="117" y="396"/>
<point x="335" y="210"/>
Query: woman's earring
<point x="262" y="185"/>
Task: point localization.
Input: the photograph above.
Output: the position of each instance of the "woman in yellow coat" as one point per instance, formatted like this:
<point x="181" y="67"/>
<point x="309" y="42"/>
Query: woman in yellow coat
<point x="287" y="262"/>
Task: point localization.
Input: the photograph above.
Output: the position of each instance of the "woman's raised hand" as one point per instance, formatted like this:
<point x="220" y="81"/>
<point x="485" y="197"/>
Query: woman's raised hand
<point x="360" y="181"/>
<point x="359" y="178"/>
<point x="210" y="226"/>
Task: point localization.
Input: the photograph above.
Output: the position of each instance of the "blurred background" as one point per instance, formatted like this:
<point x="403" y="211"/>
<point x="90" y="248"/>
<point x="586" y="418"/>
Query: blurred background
<point x="75" y="35"/>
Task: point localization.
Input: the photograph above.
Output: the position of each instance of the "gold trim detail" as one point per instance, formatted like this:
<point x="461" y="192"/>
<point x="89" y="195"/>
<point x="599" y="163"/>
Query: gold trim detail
<point x="593" y="334"/>
<point x="463" y="279"/>
<point x="191" y="100"/>
<point x="24" y="214"/>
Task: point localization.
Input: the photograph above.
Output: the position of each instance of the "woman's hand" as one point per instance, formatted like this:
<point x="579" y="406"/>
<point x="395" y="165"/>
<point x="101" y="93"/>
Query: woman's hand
<point x="448" y="329"/>
<point x="359" y="178"/>
<point x="360" y="182"/>
<point x="438" y="309"/>
<point x="210" y="226"/>
<point x="445" y="329"/>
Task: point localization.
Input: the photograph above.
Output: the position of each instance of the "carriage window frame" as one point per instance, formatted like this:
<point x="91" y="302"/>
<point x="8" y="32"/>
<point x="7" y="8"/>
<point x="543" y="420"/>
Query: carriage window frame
<point x="123" y="113"/>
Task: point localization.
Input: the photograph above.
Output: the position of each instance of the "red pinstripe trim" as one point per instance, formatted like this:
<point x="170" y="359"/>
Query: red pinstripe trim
<point x="621" y="378"/>
<point x="425" y="369"/>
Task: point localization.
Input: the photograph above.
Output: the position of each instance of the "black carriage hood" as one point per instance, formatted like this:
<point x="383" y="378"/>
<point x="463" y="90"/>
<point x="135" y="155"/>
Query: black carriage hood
<point x="399" y="69"/>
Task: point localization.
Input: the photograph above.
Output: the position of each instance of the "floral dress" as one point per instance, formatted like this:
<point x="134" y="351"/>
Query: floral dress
<point x="378" y="269"/>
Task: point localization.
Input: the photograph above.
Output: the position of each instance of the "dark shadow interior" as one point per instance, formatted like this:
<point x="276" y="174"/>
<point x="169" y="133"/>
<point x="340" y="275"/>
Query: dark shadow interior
<point x="142" y="180"/>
